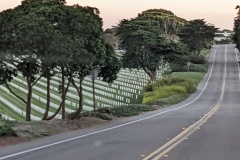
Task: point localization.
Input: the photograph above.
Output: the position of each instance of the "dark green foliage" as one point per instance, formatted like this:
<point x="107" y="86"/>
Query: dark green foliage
<point x="6" y="73"/>
<point x="103" y="116"/>
<point x="48" y="37"/>
<point x="197" y="35"/>
<point x="178" y="67"/>
<point x="6" y="127"/>
<point x="126" y="111"/>
<point x="150" y="39"/>
<point x="197" y="59"/>
<point x="111" y="66"/>
<point x="236" y="36"/>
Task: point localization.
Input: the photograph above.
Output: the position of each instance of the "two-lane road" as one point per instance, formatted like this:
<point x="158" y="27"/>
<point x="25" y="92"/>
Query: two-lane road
<point x="204" y="127"/>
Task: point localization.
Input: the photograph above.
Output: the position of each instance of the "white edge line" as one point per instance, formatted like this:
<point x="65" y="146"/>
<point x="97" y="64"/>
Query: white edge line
<point x="118" y="126"/>
<point x="238" y="63"/>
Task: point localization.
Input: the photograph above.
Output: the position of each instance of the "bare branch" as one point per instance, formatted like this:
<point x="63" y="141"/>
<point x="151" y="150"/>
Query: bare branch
<point x="10" y="90"/>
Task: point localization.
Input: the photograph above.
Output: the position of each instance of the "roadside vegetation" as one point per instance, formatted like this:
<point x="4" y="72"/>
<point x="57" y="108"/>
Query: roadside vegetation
<point x="178" y="84"/>
<point x="6" y="127"/>
<point x="75" y="44"/>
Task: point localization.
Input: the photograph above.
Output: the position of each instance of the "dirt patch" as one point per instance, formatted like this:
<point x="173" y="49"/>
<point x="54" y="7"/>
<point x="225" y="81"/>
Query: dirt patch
<point x="10" y="140"/>
<point x="27" y="131"/>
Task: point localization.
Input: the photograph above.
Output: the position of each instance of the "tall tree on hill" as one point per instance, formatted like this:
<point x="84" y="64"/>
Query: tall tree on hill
<point x="146" y="38"/>
<point x="197" y="35"/>
<point x="169" y="23"/>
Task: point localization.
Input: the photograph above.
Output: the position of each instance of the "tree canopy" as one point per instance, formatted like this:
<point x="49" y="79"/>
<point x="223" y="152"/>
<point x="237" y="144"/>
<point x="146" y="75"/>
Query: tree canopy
<point x="197" y="34"/>
<point x="44" y="37"/>
<point x="169" y="23"/>
<point x="148" y="40"/>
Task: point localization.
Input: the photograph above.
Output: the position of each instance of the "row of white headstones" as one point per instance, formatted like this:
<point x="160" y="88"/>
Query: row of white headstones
<point x="123" y="91"/>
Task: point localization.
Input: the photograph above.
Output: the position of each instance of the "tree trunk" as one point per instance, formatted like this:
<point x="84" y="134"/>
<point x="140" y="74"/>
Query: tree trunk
<point x="48" y="100"/>
<point x="29" y="97"/>
<point x="76" y="115"/>
<point x="199" y="52"/>
<point x="94" y="104"/>
<point x="60" y="106"/>
<point x="151" y="73"/>
<point x="57" y="111"/>
<point x="63" y="94"/>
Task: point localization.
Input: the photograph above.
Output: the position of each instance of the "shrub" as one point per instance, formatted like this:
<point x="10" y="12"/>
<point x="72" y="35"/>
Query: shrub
<point x="99" y="114"/>
<point x="141" y="107"/>
<point x="198" y="68"/>
<point x="189" y="86"/>
<point x="148" y="88"/>
<point x="6" y="128"/>
<point x="169" y="100"/>
<point x="163" y="92"/>
<point x="126" y="110"/>
<point x="196" y="59"/>
<point x="178" y="68"/>
<point x="168" y="87"/>
<point x="139" y="99"/>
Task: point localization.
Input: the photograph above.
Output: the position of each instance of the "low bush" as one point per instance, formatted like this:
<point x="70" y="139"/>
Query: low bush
<point x="178" y="68"/>
<point x="97" y="114"/>
<point x="169" y="100"/>
<point x="124" y="111"/>
<point x="129" y="110"/>
<point x="167" y="87"/>
<point x="197" y="59"/>
<point x="141" y="107"/>
<point x="6" y="127"/>
<point x="165" y="91"/>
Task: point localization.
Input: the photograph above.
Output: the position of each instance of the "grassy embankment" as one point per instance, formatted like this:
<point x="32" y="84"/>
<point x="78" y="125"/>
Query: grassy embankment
<point x="177" y="86"/>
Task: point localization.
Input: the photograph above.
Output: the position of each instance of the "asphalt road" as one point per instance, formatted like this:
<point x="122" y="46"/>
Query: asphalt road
<point x="204" y="127"/>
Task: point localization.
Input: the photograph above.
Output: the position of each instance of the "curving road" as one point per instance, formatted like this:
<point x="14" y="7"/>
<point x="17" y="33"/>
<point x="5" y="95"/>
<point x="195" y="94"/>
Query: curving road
<point x="204" y="127"/>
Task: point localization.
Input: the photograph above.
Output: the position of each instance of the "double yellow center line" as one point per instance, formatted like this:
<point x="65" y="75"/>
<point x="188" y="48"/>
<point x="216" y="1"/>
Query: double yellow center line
<point x="170" y="145"/>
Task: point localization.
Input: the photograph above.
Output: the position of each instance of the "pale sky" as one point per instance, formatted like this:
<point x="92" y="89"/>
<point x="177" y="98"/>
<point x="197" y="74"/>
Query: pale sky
<point x="218" y="12"/>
